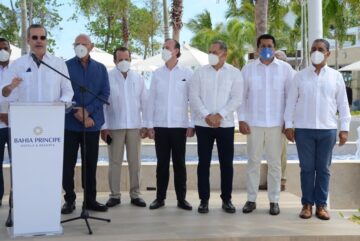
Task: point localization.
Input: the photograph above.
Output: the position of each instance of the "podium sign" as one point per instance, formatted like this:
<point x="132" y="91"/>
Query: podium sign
<point x="37" y="142"/>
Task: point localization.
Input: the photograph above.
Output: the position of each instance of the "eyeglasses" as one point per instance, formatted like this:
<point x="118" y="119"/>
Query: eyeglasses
<point x="35" y="37"/>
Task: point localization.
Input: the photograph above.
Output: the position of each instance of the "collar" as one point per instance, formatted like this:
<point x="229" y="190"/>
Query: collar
<point x="325" y="68"/>
<point x="275" y="61"/>
<point x="225" y="66"/>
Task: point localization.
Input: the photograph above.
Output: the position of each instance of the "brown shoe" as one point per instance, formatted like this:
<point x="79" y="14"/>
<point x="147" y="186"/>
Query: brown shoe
<point x="263" y="186"/>
<point x="322" y="213"/>
<point x="306" y="211"/>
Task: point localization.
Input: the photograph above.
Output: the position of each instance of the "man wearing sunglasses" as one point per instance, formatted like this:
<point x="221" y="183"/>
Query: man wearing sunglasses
<point x="32" y="82"/>
<point x="266" y="83"/>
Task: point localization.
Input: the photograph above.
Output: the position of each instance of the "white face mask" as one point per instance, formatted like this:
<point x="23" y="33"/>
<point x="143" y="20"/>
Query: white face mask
<point x="4" y="55"/>
<point x="317" y="57"/>
<point x="81" y="51"/>
<point x="213" y="59"/>
<point x="166" y="55"/>
<point x="123" y="66"/>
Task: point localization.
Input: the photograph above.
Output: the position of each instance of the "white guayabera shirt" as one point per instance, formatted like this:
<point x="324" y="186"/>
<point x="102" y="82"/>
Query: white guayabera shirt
<point x="216" y="92"/>
<point x="168" y="102"/>
<point x="40" y="84"/>
<point x="314" y="100"/>
<point x="265" y="91"/>
<point x="127" y="100"/>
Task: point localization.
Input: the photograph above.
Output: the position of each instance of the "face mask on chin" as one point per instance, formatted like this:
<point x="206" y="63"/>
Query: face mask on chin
<point x="80" y="51"/>
<point x="166" y="55"/>
<point x="213" y="59"/>
<point x="123" y="66"/>
<point x="317" y="57"/>
<point x="4" y="55"/>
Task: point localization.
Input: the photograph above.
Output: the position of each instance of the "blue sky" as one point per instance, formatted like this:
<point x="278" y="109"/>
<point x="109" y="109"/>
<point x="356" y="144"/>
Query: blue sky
<point x="71" y="29"/>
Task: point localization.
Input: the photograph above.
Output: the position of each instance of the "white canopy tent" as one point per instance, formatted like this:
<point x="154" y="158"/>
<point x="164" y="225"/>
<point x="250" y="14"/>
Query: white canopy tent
<point x="190" y="57"/>
<point x="108" y="59"/>
<point x="103" y="57"/>
<point x="351" y="67"/>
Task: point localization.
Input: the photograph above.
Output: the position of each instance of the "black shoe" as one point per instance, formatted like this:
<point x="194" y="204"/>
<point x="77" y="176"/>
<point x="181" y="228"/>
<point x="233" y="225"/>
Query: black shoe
<point x="112" y="202"/>
<point x="203" y="207"/>
<point x="249" y="207"/>
<point x="157" y="204"/>
<point x="274" y="209"/>
<point x="95" y="206"/>
<point x="68" y="208"/>
<point x="183" y="204"/>
<point x="228" y="207"/>
<point x="138" y="202"/>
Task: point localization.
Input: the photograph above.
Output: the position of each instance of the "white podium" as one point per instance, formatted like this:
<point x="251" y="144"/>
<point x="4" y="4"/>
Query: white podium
<point x="37" y="142"/>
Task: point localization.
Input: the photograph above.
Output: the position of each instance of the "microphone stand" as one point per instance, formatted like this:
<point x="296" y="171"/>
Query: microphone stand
<point x="84" y="213"/>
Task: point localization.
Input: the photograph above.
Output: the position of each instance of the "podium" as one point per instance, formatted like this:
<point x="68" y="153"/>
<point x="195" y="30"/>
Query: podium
<point x="37" y="142"/>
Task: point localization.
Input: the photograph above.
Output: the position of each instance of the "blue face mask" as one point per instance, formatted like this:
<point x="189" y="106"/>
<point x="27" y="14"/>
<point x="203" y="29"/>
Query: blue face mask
<point x="266" y="53"/>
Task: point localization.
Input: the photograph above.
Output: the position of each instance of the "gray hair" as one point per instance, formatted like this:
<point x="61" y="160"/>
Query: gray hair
<point x="321" y="40"/>
<point x="221" y="43"/>
<point x="35" y="25"/>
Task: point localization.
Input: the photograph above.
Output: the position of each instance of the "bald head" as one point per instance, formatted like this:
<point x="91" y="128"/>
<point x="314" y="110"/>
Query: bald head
<point x="84" y="39"/>
<point x="280" y="55"/>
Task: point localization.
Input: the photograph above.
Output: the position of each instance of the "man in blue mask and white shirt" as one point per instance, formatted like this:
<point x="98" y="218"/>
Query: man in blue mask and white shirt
<point x="266" y="83"/>
<point x="169" y="124"/>
<point x="316" y="95"/>
<point x="122" y="127"/>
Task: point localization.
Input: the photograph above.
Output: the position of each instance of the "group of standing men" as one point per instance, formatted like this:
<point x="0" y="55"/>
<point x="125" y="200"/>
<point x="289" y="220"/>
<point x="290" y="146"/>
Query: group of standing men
<point x="268" y="98"/>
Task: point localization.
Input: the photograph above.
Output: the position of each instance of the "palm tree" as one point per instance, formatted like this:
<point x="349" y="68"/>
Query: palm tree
<point x="166" y="20"/>
<point x="23" y="10"/>
<point x="336" y="23"/>
<point x="176" y="15"/>
<point x="261" y="13"/>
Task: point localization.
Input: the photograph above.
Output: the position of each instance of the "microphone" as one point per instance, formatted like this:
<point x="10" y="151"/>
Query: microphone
<point x="36" y="60"/>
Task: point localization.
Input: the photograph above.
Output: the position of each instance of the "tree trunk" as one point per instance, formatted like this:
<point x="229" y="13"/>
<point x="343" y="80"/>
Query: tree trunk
<point x="125" y="28"/>
<point x="261" y="9"/>
<point x="176" y="15"/>
<point x="166" y="20"/>
<point x="107" y="37"/>
<point x="24" y="48"/>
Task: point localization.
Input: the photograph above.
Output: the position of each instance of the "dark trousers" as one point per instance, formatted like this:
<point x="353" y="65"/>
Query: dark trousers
<point x="170" y="142"/>
<point x="225" y="144"/>
<point x="4" y="139"/>
<point x="74" y="139"/>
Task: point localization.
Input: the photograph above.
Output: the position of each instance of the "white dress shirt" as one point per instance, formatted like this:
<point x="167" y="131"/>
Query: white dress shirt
<point x="40" y="84"/>
<point x="314" y="99"/>
<point x="216" y="91"/>
<point x="265" y="90"/>
<point x="168" y="102"/>
<point x="127" y="99"/>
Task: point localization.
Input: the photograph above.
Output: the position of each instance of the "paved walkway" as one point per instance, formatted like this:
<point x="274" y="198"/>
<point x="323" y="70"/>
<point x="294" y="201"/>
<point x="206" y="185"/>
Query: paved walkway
<point x="170" y="223"/>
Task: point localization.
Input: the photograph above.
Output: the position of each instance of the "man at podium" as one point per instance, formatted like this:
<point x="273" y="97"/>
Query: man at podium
<point x="30" y="81"/>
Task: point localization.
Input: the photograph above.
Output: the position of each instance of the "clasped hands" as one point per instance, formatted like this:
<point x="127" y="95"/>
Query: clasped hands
<point x="89" y="122"/>
<point x="213" y="120"/>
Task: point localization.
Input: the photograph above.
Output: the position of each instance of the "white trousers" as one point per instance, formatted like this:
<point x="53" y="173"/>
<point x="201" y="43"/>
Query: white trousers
<point x="131" y="139"/>
<point x="268" y="139"/>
